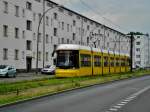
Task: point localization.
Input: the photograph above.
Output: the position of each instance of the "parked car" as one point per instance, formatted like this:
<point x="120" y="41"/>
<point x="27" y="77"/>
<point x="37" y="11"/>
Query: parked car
<point x="48" y="69"/>
<point x="7" y="71"/>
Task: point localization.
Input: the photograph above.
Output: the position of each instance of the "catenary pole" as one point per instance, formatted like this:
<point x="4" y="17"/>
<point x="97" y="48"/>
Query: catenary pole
<point x="37" y="56"/>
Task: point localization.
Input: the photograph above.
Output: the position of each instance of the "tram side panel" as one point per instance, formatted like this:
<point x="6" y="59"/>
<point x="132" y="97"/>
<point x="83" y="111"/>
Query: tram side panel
<point x="85" y="63"/>
<point x="97" y="62"/>
<point x="112" y="64"/>
<point x="127" y="64"/>
<point x="122" y="63"/>
<point x="105" y="63"/>
<point x="117" y="60"/>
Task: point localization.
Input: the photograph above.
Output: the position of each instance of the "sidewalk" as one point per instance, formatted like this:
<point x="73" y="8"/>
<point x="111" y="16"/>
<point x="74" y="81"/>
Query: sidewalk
<point x="24" y="77"/>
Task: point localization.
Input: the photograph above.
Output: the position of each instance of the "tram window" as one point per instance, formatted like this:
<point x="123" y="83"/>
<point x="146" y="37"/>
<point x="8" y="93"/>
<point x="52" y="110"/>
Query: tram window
<point x="117" y="61"/>
<point x="97" y="61"/>
<point x="85" y="60"/>
<point x="105" y="61"/>
<point x="122" y="62"/>
<point x="112" y="62"/>
<point x="67" y="59"/>
<point x="128" y="62"/>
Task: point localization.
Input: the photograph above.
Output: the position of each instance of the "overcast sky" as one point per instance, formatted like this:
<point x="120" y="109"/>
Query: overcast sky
<point x="123" y="15"/>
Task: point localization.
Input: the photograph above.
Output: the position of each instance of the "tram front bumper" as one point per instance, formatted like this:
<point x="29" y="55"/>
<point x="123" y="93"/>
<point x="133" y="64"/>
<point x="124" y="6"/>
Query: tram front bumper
<point x="67" y="72"/>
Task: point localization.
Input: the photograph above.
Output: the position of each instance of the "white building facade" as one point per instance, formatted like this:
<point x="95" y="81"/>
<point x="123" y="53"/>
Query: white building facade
<point x="141" y="51"/>
<point x="19" y="20"/>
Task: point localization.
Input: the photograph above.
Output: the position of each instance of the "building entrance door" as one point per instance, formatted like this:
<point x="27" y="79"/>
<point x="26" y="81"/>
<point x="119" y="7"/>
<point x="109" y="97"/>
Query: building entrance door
<point x="29" y="64"/>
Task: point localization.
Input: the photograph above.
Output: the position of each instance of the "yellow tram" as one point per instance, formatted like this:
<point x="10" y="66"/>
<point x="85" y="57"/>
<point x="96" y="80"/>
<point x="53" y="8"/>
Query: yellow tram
<point x="76" y="60"/>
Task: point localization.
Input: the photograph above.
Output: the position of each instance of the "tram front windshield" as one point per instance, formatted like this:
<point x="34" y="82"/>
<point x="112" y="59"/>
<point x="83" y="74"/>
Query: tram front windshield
<point x="67" y="59"/>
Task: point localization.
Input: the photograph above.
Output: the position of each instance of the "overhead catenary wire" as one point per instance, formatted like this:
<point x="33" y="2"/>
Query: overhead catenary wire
<point x="101" y="15"/>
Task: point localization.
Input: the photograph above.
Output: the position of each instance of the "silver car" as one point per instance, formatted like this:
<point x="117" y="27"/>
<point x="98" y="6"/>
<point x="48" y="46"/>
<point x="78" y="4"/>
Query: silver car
<point x="48" y="69"/>
<point x="7" y="71"/>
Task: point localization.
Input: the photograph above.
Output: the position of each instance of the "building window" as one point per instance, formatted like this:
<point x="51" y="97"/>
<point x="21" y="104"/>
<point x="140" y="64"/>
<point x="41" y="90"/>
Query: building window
<point x="61" y="9"/>
<point x="62" y="25"/>
<point x="40" y="16"/>
<point x="47" y="38"/>
<point x="16" y="32"/>
<point x="91" y="23"/>
<point x="47" y="20"/>
<point x="17" y="11"/>
<point x="55" y="16"/>
<point x="29" y="25"/>
<point x="99" y="31"/>
<point x="23" y="13"/>
<point x="58" y="40"/>
<point x="88" y="27"/>
<point x="74" y="23"/>
<point x="39" y="57"/>
<point x="38" y="0"/>
<point x="23" y="34"/>
<point x="70" y="13"/>
<point x="108" y="34"/>
<point x="55" y="31"/>
<point x="67" y="27"/>
<point x="46" y="56"/>
<point x="99" y="42"/>
<point x="71" y="27"/>
<point x="16" y="54"/>
<point x="87" y="40"/>
<point x="51" y="21"/>
<point x="39" y="37"/>
<point x="34" y="36"/>
<point x="85" y="20"/>
<point x="28" y="5"/>
<point x="23" y="54"/>
<point x="34" y="55"/>
<point x="34" y="16"/>
<point x="138" y="36"/>
<point x="78" y="17"/>
<point x="51" y="39"/>
<point x="59" y="25"/>
<point x="108" y="44"/>
<point x="73" y="36"/>
<point x="5" y="30"/>
<point x="5" y="54"/>
<point x="49" y="4"/>
<point x="138" y="62"/>
<point x="137" y="49"/>
<point x="138" y="56"/>
<point x="5" y="7"/>
<point x="67" y="41"/>
<point x="138" y="43"/>
<point x="62" y="41"/>
<point x="29" y="45"/>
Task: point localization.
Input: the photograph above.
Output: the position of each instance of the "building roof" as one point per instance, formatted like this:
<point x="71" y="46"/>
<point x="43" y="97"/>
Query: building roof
<point x="86" y="18"/>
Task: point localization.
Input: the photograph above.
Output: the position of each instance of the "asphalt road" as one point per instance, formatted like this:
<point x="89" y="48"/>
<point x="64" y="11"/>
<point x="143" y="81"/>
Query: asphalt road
<point x="140" y="104"/>
<point x="122" y="96"/>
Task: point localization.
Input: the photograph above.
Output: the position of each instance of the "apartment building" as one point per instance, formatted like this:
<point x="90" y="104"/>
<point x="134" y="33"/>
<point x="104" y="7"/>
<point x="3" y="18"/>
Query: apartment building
<point x="141" y="51"/>
<point x="19" y="21"/>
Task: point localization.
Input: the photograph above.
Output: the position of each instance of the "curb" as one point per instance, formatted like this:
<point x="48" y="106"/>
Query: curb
<point x="67" y="90"/>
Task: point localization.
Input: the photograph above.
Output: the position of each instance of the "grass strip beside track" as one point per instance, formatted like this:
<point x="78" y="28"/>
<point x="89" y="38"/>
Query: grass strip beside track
<point x="17" y="91"/>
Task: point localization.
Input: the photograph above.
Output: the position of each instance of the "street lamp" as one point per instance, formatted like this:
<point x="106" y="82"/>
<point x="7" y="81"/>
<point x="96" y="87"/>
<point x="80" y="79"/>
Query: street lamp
<point x="38" y="33"/>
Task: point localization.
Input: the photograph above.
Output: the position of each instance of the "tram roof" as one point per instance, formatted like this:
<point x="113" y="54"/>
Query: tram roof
<point x="80" y="47"/>
<point x="72" y="47"/>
